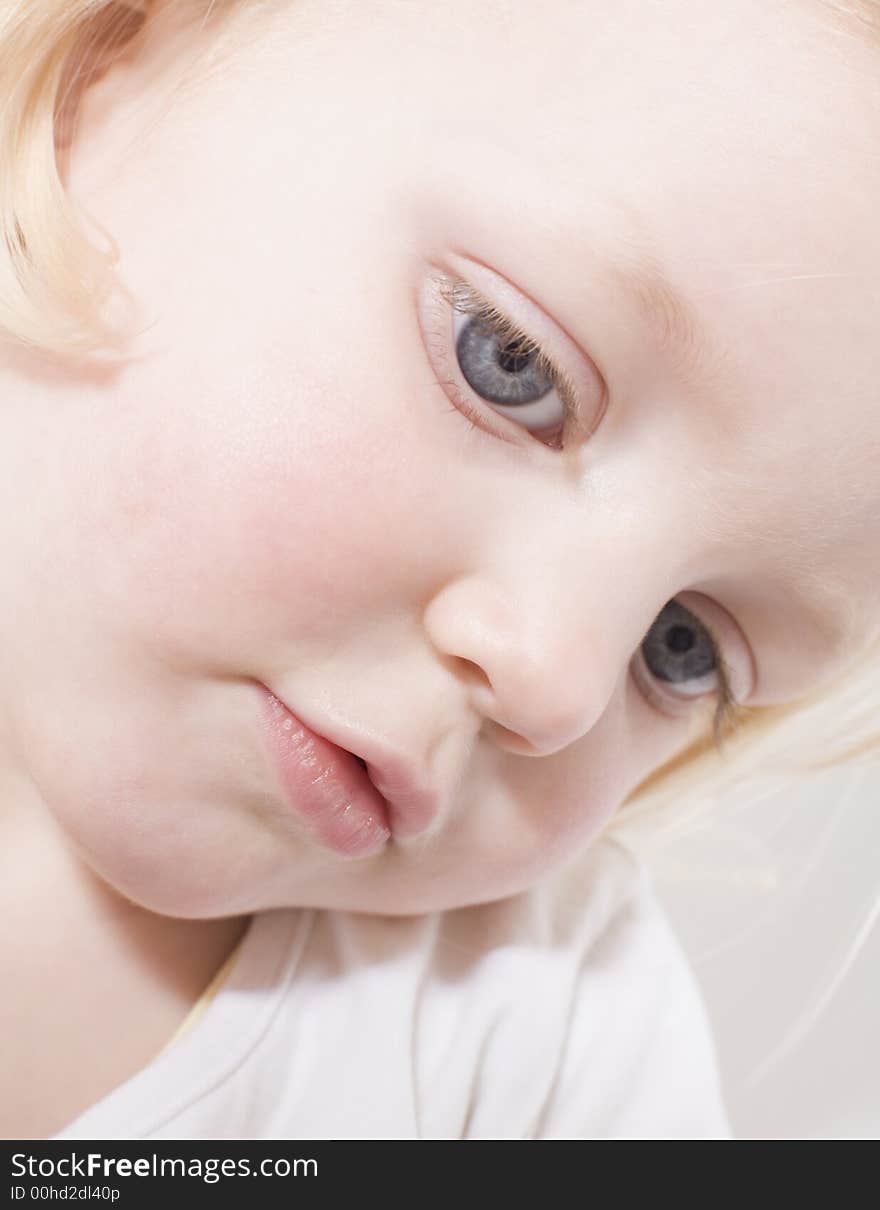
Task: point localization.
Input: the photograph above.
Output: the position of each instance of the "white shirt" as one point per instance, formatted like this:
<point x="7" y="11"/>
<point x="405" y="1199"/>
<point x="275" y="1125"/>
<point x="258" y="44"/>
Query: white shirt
<point x="565" y="1012"/>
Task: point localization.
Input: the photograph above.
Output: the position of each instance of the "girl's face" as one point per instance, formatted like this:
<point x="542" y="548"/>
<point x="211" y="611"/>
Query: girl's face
<point x="321" y="474"/>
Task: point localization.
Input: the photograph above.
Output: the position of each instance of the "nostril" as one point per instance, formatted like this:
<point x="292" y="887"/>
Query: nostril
<point x="472" y="673"/>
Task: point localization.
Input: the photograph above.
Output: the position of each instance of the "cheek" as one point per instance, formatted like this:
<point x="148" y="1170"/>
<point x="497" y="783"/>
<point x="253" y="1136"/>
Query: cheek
<point x="233" y="522"/>
<point x="538" y="812"/>
<point x="160" y="784"/>
<point x="584" y="786"/>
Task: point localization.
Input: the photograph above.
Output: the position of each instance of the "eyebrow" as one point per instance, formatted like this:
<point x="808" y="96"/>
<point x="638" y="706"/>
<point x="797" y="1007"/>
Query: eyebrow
<point x="831" y="612"/>
<point x="680" y="334"/>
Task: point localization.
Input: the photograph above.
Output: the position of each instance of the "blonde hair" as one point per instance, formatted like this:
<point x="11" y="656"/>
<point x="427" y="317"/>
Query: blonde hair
<point x="53" y="282"/>
<point x="56" y="286"/>
<point x="58" y="289"/>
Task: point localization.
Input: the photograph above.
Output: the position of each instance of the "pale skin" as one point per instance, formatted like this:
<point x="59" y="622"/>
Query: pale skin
<point x="280" y="488"/>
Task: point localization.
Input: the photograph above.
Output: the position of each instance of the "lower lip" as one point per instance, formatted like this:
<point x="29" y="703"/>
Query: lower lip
<point x="325" y="786"/>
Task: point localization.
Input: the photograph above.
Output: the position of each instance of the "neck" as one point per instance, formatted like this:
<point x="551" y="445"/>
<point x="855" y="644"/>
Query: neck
<point x="98" y="984"/>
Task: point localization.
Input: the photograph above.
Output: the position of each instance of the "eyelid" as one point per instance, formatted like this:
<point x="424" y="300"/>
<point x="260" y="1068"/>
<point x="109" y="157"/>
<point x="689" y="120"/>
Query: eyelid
<point x="675" y="704"/>
<point x="571" y="364"/>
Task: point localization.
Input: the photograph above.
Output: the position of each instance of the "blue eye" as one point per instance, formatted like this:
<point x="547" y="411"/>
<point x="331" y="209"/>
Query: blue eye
<point x="501" y="369"/>
<point x="680" y="653"/>
<point x="506" y="368"/>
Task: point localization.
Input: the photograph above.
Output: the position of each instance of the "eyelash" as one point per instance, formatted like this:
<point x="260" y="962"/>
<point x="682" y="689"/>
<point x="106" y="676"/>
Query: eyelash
<point x="462" y="298"/>
<point x="728" y="712"/>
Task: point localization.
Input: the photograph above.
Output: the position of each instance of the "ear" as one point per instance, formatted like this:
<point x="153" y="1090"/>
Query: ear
<point x="101" y="41"/>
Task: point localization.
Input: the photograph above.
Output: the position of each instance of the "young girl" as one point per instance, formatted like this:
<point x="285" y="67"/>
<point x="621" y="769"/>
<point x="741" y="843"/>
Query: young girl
<point x="425" y="428"/>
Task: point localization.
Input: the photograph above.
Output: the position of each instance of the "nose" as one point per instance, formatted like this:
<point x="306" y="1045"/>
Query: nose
<point x="536" y="661"/>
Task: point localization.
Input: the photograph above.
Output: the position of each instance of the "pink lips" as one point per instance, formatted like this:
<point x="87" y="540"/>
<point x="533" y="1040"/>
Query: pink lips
<point x="325" y="786"/>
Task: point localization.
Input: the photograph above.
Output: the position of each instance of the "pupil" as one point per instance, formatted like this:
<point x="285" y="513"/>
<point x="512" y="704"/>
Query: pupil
<point x="679" y="638"/>
<point x="512" y="359"/>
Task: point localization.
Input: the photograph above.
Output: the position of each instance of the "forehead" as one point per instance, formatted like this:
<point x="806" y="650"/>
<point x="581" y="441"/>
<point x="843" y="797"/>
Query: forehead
<point x="608" y="152"/>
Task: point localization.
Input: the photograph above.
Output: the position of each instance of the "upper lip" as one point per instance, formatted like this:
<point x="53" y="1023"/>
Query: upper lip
<point x="412" y="804"/>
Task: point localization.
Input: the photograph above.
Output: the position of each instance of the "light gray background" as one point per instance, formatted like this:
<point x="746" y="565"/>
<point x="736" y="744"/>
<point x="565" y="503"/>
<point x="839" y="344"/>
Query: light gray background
<point x="777" y="905"/>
